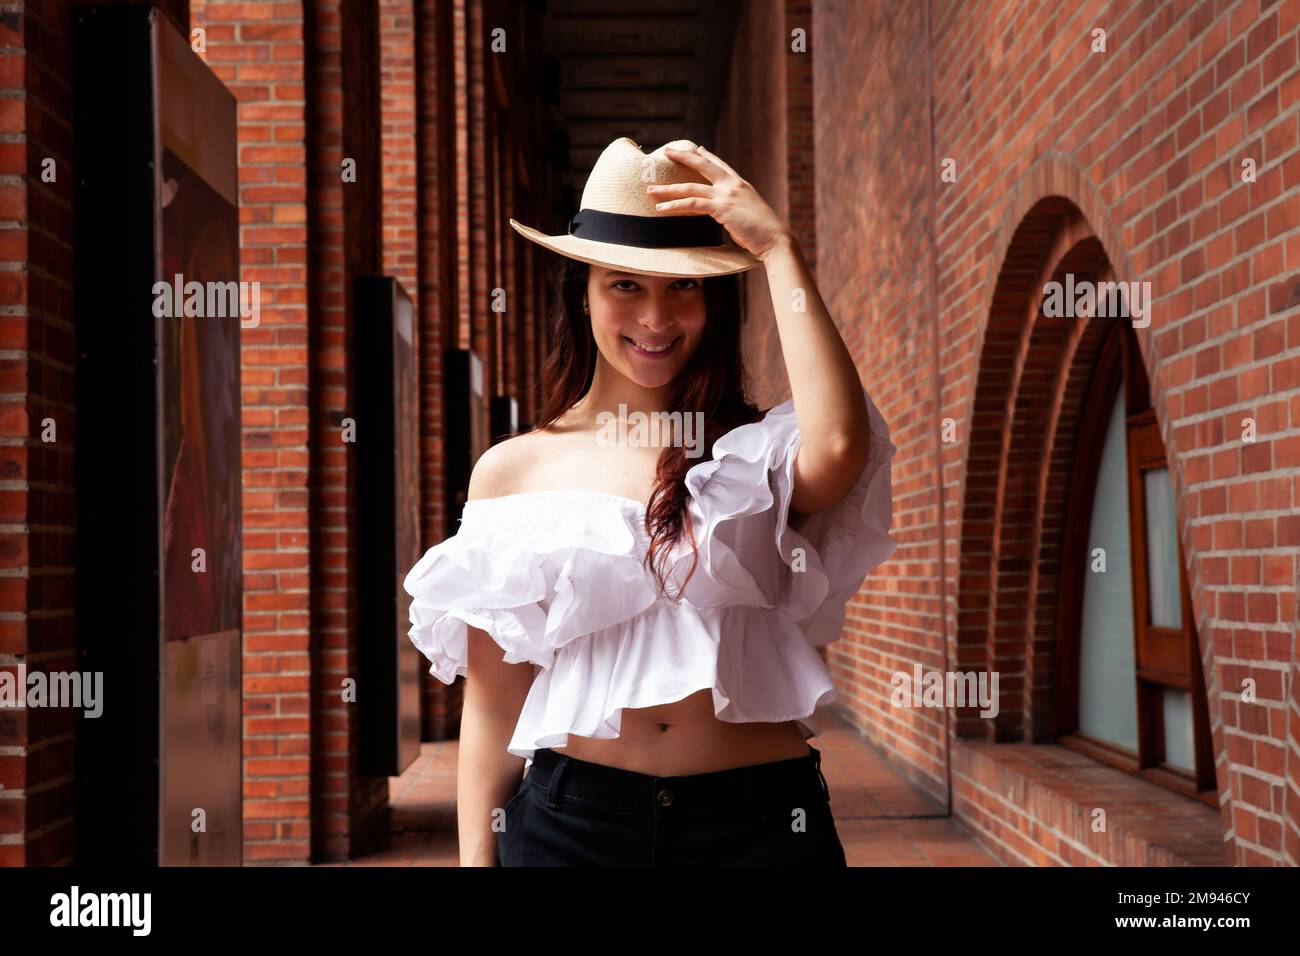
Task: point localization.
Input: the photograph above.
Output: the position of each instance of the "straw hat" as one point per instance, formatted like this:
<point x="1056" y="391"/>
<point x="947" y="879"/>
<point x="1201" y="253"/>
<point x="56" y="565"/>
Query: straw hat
<point x="618" y="226"/>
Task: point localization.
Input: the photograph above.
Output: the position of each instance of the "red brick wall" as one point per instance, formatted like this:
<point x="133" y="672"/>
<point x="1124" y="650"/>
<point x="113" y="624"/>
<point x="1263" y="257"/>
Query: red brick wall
<point x="1146" y="140"/>
<point x="38" y="503"/>
<point x="801" y="169"/>
<point x="469" y="123"/>
<point x="478" y="248"/>
<point x="874" y="227"/>
<point x="752" y="130"/>
<point x="463" y="86"/>
<point x="259" y="51"/>
<point x="438" y="293"/>
<point x="397" y="66"/>
<point x="312" y="88"/>
<point x="309" y="97"/>
<point x="345" y="219"/>
<point x="532" y="186"/>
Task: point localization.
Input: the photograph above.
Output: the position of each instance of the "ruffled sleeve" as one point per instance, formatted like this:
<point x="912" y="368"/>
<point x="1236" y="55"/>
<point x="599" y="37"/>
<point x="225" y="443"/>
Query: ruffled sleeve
<point x="824" y="557"/>
<point x="510" y="570"/>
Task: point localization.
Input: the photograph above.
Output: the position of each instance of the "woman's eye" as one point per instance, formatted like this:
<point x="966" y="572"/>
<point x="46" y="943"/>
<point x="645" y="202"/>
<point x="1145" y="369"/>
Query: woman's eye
<point x="627" y="285"/>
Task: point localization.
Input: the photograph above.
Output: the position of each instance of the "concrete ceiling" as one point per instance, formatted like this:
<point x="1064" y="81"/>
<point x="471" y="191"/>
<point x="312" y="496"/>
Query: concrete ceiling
<point x="649" y="69"/>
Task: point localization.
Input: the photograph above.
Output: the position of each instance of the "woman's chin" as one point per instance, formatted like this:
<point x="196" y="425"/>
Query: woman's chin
<point x="650" y="379"/>
<point x="646" y="374"/>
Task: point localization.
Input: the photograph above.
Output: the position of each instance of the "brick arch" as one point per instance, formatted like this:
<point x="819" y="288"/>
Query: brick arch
<point x="1052" y="208"/>
<point x="1050" y="389"/>
<point x="1033" y="377"/>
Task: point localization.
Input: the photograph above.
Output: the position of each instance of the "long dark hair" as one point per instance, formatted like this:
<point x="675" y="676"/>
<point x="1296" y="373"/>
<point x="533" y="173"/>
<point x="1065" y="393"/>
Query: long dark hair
<point x="712" y="382"/>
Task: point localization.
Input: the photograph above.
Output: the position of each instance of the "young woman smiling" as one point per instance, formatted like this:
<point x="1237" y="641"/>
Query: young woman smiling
<point x="638" y="628"/>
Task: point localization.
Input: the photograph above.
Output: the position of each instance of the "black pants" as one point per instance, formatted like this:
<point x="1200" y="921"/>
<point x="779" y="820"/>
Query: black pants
<point x="570" y="812"/>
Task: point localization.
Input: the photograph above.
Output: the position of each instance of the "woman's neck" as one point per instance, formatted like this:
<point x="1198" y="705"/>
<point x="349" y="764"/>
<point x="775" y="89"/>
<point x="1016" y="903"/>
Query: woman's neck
<point x="611" y="389"/>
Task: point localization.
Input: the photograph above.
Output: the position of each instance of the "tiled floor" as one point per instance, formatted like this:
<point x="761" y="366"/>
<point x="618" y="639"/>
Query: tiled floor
<point x="882" y="819"/>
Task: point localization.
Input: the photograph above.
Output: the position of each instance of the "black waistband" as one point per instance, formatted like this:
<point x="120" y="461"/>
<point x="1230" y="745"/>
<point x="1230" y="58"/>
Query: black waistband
<point x="773" y="783"/>
<point x="649" y="232"/>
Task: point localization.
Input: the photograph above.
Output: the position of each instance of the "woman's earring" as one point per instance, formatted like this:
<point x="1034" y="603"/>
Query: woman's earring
<point x="585" y="307"/>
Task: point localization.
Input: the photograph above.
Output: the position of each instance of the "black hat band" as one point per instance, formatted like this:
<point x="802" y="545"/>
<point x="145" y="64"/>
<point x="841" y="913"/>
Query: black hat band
<point x="650" y="232"/>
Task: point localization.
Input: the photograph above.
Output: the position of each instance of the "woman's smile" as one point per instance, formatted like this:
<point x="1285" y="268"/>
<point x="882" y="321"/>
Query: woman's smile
<point x="651" y="348"/>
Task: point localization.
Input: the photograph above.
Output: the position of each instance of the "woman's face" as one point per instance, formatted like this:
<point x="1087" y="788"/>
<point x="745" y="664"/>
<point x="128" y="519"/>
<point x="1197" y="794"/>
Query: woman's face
<point x="633" y="316"/>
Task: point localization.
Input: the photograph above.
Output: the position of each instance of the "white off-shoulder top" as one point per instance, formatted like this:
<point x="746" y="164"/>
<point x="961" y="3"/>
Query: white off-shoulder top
<point x="556" y="578"/>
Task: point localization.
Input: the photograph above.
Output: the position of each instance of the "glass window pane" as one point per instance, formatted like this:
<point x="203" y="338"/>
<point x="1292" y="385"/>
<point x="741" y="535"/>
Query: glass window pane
<point x="1107" y="681"/>
<point x="1162" y="550"/>
<point x="1176" y="707"/>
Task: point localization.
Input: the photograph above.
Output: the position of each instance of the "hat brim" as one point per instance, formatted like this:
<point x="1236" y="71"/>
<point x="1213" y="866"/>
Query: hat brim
<point x="690" y="261"/>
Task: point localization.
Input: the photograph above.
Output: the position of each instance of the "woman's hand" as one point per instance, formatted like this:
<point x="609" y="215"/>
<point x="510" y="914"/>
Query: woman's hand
<point x="830" y="403"/>
<point x="751" y="222"/>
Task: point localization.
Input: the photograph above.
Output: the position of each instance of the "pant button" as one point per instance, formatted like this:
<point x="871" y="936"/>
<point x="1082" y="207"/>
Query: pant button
<point x="665" y="798"/>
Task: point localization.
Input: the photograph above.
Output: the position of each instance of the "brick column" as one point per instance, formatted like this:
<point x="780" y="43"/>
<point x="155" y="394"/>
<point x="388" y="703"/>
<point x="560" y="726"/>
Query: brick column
<point x="397" y="65"/>
<point x="345" y="221"/>
<point x="259" y="51"/>
<point x="37" y="502"/>
<point x="439" y="175"/>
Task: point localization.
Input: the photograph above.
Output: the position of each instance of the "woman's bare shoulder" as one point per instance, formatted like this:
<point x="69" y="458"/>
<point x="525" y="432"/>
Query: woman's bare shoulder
<point x="508" y="466"/>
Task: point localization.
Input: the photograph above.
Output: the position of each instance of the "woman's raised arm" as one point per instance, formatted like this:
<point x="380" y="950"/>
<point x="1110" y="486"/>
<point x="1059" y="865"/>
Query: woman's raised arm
<point x="834" y="425"/>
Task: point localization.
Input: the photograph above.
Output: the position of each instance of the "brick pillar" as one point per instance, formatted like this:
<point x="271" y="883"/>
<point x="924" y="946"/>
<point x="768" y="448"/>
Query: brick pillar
<point x="477" y="112"/>
<point x="439" y="175"/>
<point x="400" y="160"/>
<point x="259" y="52"/>
<point x="461" y="74"/>
<point x="345" y="220"/>
<point x="37" y="589"/>
<point x="478" y="184"/>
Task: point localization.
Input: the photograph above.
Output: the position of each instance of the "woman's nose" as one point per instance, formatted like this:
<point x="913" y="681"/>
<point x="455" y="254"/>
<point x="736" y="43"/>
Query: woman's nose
<point x="656" y="318"/>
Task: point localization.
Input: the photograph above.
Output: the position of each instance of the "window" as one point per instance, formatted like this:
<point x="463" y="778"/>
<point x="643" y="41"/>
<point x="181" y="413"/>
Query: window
<point x="1132" y="691"/>
<point x="1107" y="705"/>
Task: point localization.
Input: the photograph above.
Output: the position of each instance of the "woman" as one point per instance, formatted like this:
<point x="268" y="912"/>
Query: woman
<point x="636" y="608"/>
